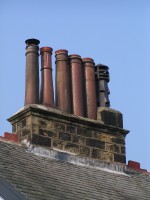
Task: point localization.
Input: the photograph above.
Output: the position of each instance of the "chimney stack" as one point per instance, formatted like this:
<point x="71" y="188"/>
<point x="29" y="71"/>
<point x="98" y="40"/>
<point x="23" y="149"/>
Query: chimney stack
<point x="102" y="79"/>
<point x="77" y="91"/>
<point x="90" y="89"/>
<point x="47" y="94"/>
<point x="32" y="72"/>
<point x="101" y="137"/>
<point x="63" y="82"/>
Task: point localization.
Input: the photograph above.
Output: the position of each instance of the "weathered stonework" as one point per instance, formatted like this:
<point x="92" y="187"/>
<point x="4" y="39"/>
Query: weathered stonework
<point x="82" y="136"/>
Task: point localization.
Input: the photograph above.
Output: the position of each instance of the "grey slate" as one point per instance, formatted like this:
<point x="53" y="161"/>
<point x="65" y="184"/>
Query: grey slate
<point x="7" y="191"/>
<point x="40" y="178"/>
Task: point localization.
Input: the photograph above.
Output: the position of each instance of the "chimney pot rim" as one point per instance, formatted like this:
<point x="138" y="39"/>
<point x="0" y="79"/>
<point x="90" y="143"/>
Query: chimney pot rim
<point x="60" y="51"/>
<point x="87" y="60"/>
<point x="74" y="56"/>
<point x="46" y="49"/>
<point x="32" y="41"/>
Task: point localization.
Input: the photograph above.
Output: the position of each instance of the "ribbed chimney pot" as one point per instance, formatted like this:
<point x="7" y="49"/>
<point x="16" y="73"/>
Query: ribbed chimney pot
<point x="63" y="82"/>
<point x="47" y="93"/>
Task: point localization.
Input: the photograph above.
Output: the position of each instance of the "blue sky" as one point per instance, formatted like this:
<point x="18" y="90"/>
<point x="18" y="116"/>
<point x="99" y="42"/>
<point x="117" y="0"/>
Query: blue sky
<point x="112" y="32"/>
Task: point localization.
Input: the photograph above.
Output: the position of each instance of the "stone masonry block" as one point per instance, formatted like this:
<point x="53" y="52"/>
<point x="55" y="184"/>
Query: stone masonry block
<point x="119" y="158"/>
<point x="123" y="150"/>
<point x="34" y="120"/>
<point x="29" y="120"/>
<point x="102" y="136"/>
<point x="84" y="132"/>
<point x="65" y="136"/>
<point x="95" y="143"/>
<point x="22" y="123"/>
<point x="48" y="133"/>
<point x="118" y="140"/>
<point x="117" y="148"/>
<point x="58" y="144"/>
<point x="96" y="153"/>
<point x="84" y="151"/>
<point x="71" y="129"/>
<point x="59" y="126"/>
<point x="42" y="123"/>
<point x="39" y="140"/>
<point x="25" y="132"/>
<point x="107" y="156"/>
<point x="50" y="125"/>
<point x="78" y="139"/>
<point x="14" y="128"/>
<point x="109" y="147"/>
<point x="73" y="148"/>
<point x="35" y="129"/>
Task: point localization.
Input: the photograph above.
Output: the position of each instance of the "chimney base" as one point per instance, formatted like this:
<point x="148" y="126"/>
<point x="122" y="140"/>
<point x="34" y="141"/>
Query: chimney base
<point x="81" y="136"/>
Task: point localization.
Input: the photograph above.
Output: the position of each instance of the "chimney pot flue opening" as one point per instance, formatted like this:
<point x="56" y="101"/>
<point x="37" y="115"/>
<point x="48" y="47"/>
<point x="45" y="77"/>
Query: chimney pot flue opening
<point x="87" y="60"/>
<point x="32" y="41"/>
<point x="46" y="49"/>
<point x="61" y="51"/>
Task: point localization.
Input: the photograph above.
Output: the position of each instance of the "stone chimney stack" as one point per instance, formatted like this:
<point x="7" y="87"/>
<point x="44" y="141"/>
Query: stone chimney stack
<point x="47" y="94"/>
<point x="32" y="72"/>
<point x="76" y="126"/>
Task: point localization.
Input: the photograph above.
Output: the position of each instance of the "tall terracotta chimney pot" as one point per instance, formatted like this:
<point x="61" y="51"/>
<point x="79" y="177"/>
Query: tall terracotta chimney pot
<point x="77" y="90"/>
<point x="32" y="72"/>
<point x="63" y="82"/>
<point x="90" y="89"/>
<point x="47" y="93"/>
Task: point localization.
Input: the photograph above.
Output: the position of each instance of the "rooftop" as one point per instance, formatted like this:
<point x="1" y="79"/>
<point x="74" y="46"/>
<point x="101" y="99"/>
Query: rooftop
<point x="38" y="175"/>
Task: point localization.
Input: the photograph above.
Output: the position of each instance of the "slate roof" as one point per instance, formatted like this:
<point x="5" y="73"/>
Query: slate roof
<point x="40" y="178"/>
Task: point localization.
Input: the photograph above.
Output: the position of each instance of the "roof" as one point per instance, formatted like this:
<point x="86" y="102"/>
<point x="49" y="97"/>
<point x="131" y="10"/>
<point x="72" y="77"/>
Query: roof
<point x="9" y="192"/>
<point x="41" y="178"/>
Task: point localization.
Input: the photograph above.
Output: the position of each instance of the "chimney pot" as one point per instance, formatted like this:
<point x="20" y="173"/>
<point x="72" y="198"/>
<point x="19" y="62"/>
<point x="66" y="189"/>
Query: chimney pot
<point x="46" y="49"/>
<point x="77" y="91"/>
<point x="90" y="88"/>
<point x="63" y="82"/>
<point x="60" y="51"/>
<point x="32" y="41"/>
<point x="32" y="72"/>
<point x="47" y="94"/>
<point x="87" y="60"/>
<point x="102" y="90"/>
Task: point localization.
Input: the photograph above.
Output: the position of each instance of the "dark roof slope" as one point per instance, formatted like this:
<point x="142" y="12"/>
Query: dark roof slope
<point x="39" y="178"/>
<point x="7" y="191"/>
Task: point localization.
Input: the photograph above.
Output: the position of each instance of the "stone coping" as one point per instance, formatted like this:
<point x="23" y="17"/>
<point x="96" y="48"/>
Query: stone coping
<point x="38" y="109"/>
